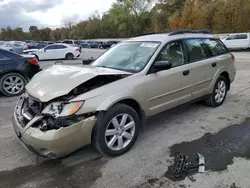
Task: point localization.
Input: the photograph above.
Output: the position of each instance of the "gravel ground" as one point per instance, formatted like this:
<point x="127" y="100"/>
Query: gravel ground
<point x="145" y="164"/>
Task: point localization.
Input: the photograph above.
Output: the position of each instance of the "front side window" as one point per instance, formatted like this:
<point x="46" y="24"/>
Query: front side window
<point x="52" y="47"/>
<point x="232" y="37"/>
<point x="60" y="47"/>
<point x="127" y="56"/>
<point x="196" y="50"/>
<point x="173" y="53"/>
<point x="215" y="46"/>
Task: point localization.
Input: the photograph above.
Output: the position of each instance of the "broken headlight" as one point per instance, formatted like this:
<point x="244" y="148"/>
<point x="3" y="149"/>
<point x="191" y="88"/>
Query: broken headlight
<point x="61" y="109"/>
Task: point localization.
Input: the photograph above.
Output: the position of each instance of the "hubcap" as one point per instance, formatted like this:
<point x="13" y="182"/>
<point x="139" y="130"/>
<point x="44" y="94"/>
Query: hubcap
<point x="13" y="85"/>
<point x="220" y="91"/>
<point x="120" y="132"/>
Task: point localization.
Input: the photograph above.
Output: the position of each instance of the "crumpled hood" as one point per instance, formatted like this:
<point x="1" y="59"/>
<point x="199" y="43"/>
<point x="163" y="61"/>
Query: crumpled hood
<point x="59" y="80"/>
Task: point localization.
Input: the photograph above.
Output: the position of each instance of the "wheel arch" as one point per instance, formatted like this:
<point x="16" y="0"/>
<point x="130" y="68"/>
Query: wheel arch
<point x="226" y="75"/>
<point x="13" y="71"/>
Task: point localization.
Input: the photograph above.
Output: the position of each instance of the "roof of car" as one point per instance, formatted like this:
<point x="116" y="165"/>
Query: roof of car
<point x="165" y="37"/>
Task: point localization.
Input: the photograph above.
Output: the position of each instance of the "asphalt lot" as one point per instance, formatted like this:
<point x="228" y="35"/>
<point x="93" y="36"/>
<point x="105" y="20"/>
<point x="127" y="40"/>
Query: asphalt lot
<point x="145" y="164"/>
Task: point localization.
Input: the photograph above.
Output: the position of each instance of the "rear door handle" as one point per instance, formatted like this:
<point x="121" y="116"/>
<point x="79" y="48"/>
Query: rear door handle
<point x="214" y="64"/>
<point x="186" y="72"/>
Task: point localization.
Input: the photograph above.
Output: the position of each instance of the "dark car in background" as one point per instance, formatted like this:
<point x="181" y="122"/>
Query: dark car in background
<point x="95" y="44"/>
<point x="85" y="44"/>
<point x="106" y="45"/>
<point x="15" y="72"/>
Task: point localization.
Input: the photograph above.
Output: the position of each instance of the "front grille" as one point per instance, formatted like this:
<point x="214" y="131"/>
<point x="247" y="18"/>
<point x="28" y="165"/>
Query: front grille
<point x="27" y="109"/>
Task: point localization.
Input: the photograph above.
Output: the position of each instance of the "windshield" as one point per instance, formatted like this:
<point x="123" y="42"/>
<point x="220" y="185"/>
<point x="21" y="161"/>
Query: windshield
<point x="127" y="56"/>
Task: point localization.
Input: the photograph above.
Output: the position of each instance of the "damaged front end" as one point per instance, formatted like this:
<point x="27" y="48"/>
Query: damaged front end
<point x="45" y="118"/>
<point x="52" y="129"/>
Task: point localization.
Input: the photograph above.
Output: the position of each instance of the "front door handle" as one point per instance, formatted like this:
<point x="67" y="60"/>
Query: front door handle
<point x="186" y="72"/>
<point x="214" y="64"/>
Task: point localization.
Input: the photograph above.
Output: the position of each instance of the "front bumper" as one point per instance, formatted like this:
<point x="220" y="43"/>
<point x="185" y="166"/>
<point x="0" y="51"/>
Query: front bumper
<point x="54" y="143"/>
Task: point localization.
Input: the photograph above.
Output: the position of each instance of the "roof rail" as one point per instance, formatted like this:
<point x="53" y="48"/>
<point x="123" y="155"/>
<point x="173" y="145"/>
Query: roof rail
<point x="185" y="31"/>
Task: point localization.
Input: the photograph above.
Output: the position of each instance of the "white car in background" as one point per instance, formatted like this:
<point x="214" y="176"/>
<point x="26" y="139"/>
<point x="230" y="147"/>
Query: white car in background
<point x="55" y="51"/>
<point x="237" y="41"/>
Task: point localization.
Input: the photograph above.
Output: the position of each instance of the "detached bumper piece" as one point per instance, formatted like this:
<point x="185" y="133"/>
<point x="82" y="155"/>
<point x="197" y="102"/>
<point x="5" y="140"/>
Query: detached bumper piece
<point x="187" y="166"/>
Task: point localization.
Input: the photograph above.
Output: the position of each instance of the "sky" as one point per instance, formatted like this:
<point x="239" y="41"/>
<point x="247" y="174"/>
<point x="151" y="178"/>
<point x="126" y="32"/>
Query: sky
<point x="51" y="13"/>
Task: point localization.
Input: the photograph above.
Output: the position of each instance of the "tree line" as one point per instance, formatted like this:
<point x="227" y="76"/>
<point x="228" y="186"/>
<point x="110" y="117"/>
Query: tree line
<point x="128" y="18"/>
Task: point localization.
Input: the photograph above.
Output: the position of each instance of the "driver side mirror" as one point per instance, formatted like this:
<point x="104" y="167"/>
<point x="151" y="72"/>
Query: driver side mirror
<point x="160" y="66"/>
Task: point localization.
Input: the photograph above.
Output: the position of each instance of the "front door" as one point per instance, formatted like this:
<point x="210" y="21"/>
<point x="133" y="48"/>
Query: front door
<point x="169" y="88"/>
<point x="50" y="52"/>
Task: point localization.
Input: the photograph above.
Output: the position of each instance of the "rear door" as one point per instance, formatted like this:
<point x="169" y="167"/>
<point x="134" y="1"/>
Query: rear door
<point x="3" y="59"/>
<point x="61" y="51"/>
<point x="242" y="41"/>
<point x="9" y="60"/>
<point x="201" y="65"/>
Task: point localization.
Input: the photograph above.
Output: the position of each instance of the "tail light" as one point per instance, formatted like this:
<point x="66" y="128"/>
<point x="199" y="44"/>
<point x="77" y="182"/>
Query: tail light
<point x="33" y="61"/>
<point x="233" y="57"/>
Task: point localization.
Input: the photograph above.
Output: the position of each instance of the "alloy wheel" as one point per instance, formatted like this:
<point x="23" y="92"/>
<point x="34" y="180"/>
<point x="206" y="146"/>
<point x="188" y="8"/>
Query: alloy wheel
<point x="220" y="91"/>
<point x="120" y="132"/>
<point x="13" y="85"/>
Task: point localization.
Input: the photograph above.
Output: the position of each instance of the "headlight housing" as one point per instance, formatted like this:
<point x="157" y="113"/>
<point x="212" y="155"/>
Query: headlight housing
<point x="61" y="109"/>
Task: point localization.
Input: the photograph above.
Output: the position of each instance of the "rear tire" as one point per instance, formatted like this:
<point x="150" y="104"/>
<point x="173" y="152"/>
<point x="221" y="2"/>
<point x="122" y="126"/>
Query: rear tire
<point x="69" y="56"/>
<point x="12" y="84"/>
<point x="114" y="139"/>
<point x="219" y="94"/>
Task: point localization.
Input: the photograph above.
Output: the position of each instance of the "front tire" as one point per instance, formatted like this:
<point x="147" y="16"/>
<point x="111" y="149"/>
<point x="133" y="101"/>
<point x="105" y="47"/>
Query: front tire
<point x="116" y="130"/>
<point x="12" y="84"/>
<point x="219" y="94"/>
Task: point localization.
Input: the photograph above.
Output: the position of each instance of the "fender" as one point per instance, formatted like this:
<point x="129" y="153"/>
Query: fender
<point x="110" y="101"/>
<point x="216" y="76"/>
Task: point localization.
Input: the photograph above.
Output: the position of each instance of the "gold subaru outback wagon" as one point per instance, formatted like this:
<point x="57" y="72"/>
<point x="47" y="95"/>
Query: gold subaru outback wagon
<point x="105" y="103"/>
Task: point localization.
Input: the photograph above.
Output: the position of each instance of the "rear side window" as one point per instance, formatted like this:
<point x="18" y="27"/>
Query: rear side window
<point x="215" y="46"/>
<point x="196" y="50"/>
<point x="241" y="36"/>
<point x="60" y="47"/>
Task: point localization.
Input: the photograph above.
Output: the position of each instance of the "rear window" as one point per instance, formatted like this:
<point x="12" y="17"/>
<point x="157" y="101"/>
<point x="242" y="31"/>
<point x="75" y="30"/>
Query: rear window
<point x="67" y="42"/>
<point x="215" y="46"/>
<point x="196" y="50"/>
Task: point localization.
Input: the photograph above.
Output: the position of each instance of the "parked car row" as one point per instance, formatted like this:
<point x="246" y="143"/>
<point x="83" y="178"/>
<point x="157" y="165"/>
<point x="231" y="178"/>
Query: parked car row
<point x="98" y="44"/>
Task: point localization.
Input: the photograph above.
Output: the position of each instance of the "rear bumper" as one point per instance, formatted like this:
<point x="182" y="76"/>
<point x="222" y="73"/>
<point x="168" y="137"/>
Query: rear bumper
<point x="30" y="70"/>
